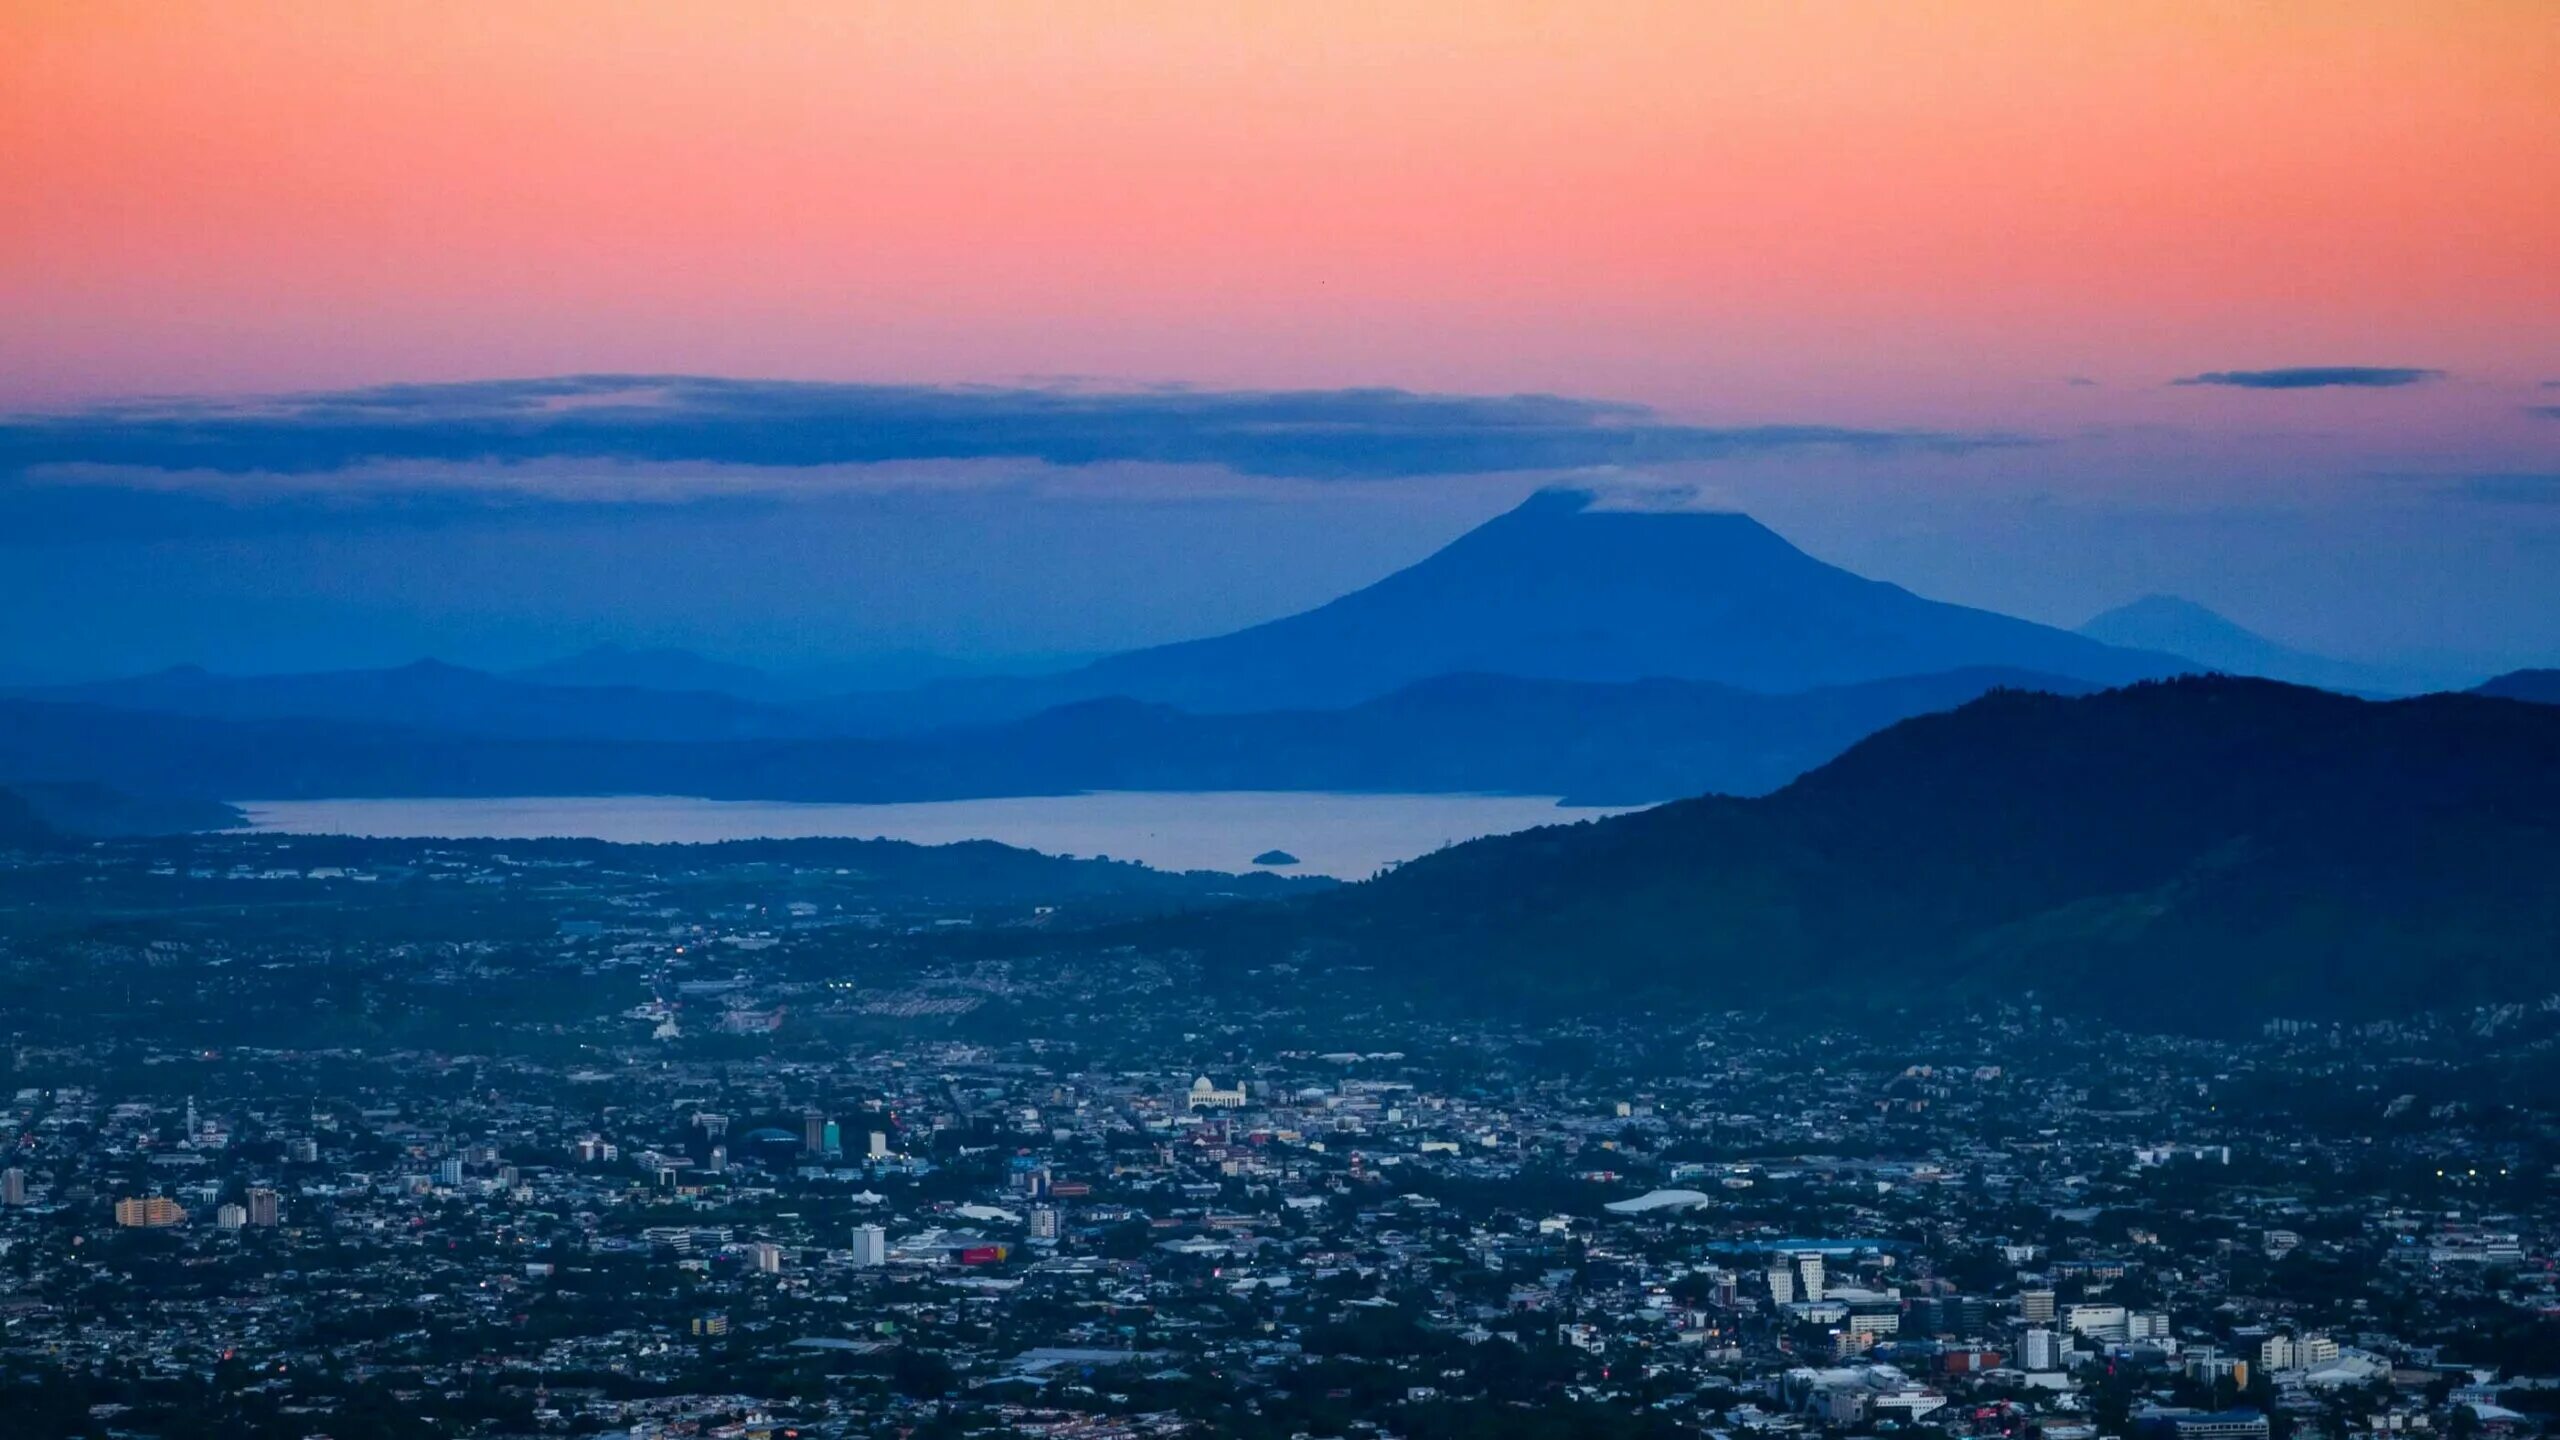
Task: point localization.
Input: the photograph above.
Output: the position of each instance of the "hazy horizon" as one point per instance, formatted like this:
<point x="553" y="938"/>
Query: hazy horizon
<point x="1042" y="585"/>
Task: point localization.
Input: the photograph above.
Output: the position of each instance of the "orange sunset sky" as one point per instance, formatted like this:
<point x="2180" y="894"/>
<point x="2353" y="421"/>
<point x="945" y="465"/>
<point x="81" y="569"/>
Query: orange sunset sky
<point x="1878" y="211"/>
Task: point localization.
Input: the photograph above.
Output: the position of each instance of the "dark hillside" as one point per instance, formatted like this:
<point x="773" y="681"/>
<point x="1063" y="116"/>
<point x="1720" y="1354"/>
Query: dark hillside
<point x="2201" y="849"/>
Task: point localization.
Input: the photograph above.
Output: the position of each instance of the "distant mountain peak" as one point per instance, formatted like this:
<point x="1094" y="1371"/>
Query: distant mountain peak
<point x="1562" y="501"/>
<point x="2175" y="625"/>
<point x="1569" y="585"/>
<point x="1571" y="508"/>
<point x="2179" y="606"/>
<point x="2161" y="613"/>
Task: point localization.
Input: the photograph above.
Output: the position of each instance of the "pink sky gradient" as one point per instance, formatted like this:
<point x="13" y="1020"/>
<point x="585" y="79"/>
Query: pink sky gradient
<point x="1915" y="214"/>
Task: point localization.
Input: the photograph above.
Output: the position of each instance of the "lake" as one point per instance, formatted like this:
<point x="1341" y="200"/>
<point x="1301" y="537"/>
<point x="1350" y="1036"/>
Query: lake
<point x="1345" y="835"/>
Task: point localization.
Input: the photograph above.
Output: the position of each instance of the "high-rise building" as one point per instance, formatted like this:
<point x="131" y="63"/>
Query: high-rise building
<point x="813" y="1132"/>
<point x="2035" y="1306"/>
<point x="1802" y="1272"/>
<point x="13" y="1186"/>
<point x="768" y="1258"/>
<point x="879" y="1145"/>
<point x="831" y="1139"/>
<point x="1044" y="1222"/>
<point x="1782" y="1281"/>
<point x="870" y="1245"/>
<point x="149" y="1212"/>
<point x="2041" y="1350"/>
<point x="231" y="1217"/>
<point x="449" y="1171"/>
<point x="266" y="1207"/>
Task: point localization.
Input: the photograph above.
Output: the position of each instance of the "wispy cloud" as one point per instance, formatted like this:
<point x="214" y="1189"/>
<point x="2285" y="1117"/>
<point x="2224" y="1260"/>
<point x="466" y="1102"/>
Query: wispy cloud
<point x="2316" y="377"/>
<point x="662" y="420"/>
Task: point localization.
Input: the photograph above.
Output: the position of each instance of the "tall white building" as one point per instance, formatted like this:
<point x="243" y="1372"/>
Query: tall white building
<point x="870" y="1245"/>
<point x="1809" y="1274"/>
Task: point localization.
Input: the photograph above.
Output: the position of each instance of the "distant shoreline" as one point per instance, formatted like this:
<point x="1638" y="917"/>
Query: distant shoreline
<point x="1342" y="834"/>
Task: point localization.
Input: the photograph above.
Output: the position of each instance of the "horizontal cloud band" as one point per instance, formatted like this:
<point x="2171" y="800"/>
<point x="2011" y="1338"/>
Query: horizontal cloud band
<point x="2317" y="377"/>
<point x="1316" y="434"/>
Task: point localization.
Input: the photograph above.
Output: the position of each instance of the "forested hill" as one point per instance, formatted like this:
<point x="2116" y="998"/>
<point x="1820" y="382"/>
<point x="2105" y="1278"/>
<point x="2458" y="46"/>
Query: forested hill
<point x="2203" y="851"/>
